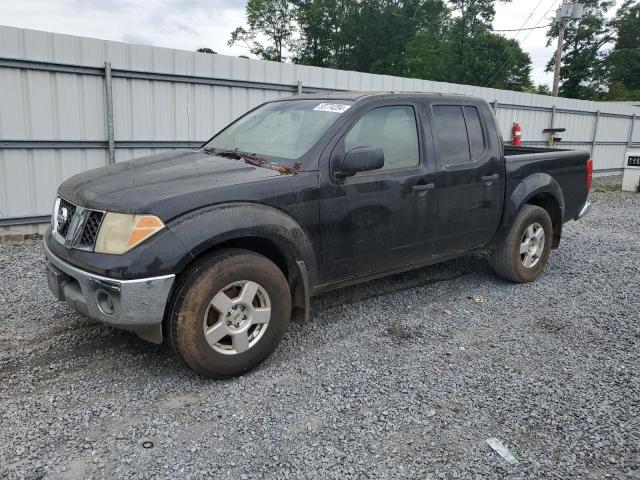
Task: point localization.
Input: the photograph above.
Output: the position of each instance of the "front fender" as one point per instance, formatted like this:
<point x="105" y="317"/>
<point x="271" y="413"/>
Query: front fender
<point x="203" y="229"/>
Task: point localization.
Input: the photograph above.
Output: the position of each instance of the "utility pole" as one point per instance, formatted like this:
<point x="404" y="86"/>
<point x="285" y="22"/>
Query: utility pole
<point x="567" y="11"/>
<point x="556" y="67"/>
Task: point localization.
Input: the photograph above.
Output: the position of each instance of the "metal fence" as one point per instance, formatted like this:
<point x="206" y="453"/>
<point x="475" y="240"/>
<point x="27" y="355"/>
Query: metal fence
<point x="68" y="104"/>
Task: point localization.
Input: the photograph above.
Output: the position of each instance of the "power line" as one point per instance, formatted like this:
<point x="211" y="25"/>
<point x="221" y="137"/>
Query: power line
<point x="449" y="25"/>
<point x="493" y="71"/>
<point x="483" y="26"/>
<point x="522" y="29"/>
<point x="525" y="38"/>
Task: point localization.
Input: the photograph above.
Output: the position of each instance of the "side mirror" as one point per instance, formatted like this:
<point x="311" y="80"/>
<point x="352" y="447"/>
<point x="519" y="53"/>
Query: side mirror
<point x="361" y="159"/>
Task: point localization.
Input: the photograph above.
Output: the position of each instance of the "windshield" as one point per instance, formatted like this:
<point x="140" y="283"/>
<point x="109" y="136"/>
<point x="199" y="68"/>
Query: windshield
<point x="286" y="129"/>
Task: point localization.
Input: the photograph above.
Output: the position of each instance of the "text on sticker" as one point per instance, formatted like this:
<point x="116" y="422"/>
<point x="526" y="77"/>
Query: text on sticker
<point x="332" y="107"/>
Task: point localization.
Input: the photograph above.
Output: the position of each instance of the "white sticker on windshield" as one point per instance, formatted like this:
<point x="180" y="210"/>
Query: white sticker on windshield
<point x="332" y="107"/>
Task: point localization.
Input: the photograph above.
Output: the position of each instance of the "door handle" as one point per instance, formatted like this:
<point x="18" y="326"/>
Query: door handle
<point x="490" y="178"/>
<point x="423" y="187"/>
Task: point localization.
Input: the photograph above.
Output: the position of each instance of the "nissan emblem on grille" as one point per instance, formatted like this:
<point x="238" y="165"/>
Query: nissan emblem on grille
<point x="63" y="217"/>
<point x="75" y="226"/>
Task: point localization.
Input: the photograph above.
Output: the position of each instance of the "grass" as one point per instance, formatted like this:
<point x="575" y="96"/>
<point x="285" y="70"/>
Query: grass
<point x="607" y="188"/>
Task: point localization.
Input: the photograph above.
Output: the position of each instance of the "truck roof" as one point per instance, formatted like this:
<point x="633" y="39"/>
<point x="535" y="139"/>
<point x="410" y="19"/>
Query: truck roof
<point x="358" y="95"/>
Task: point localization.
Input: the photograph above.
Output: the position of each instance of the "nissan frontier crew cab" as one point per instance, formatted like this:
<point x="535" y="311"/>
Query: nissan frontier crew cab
<point x="216" y="250"/>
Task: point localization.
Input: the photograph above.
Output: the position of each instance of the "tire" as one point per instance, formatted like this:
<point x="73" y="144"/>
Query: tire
<point x="509" y="262"/>
<point x="213" y="296"/>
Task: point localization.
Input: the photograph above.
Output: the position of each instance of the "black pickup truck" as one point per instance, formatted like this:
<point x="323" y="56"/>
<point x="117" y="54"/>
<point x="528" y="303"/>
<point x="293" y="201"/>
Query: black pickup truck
<point x="216" y="250"/>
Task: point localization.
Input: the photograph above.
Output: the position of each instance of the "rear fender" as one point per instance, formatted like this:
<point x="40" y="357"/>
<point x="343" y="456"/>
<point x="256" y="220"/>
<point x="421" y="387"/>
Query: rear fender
<point x="527" y="191"/>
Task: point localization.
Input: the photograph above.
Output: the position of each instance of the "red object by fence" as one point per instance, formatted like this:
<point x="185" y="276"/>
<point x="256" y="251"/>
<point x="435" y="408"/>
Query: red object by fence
<point x="516" y="133"/>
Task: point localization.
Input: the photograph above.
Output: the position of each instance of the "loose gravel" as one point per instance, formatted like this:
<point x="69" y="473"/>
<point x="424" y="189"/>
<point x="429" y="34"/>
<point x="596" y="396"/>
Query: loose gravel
<point x="405" y="377"/>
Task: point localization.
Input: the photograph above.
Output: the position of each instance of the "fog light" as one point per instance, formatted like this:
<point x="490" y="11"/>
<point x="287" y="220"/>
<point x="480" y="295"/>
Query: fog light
<point x="104" y="300"/>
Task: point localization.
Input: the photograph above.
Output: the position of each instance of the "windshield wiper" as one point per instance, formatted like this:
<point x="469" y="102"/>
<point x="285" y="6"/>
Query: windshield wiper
<point x="238" y="155"/>
<point x="253" y="159"/>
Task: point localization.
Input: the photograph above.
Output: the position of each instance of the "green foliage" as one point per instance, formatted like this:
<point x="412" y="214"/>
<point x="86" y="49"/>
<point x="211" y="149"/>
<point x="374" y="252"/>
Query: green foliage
<point x="328" y="32"/>
<point x="474" y="12"/>
<point x="427" y="39"/>
<point x="591" y="71"/>
<point x="206" y="50"/>
<point x="428" y="57"/>
<point x="487" y="59"/>
<point x="272" y="18"/>
<point x="623" y="62"/>
<point x="448" y="41"/>
<point x="368" y="36"/>
<point x="618" y="92"/>
<point x="466" y="51"/>
<point x="539" y="90"/>
<point x="583" y="72"/>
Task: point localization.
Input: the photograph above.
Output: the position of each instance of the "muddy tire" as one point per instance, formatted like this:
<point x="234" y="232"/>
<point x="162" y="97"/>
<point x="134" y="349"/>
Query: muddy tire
<point x="229" y="313"/>
<point x="524" y="251"/>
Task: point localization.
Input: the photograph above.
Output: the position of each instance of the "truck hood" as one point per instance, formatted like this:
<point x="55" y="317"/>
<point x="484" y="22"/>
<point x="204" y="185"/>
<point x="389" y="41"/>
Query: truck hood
<point x="164" y="184"/>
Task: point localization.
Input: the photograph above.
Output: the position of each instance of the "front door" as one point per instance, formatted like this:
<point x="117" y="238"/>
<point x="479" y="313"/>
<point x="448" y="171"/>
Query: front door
<point x="376" y="220"/>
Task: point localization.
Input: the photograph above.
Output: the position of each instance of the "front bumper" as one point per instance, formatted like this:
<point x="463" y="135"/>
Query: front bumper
<point x="137" y="305"/>
<point x="584" y="211"/>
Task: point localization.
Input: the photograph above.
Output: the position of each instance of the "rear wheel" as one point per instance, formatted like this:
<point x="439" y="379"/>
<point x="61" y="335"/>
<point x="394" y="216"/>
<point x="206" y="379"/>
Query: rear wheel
<point x="524" y="252"/>
<point x="229" y="313"/>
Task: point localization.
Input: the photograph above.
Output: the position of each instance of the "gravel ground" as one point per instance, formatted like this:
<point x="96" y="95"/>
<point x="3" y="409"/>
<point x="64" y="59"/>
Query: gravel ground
<point x="405" y="377"/>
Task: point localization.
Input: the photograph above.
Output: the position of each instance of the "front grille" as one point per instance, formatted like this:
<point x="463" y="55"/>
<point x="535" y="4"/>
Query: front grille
<point x="70" y="209"/>
<point x="90" y="231"/>
<point x="76" y="226"/>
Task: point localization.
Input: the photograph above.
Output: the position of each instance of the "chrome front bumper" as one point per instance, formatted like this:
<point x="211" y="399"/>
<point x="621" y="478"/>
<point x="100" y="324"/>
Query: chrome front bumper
<point x="137" y="305"/>
<point x="586" y="208"/>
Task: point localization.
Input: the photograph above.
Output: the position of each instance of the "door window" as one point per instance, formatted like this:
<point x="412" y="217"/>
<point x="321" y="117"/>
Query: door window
<point x="393" y="129"/>
<point x="474" y="132"/>
<point x="460" y="135"/>
<point x="452" y="135"/>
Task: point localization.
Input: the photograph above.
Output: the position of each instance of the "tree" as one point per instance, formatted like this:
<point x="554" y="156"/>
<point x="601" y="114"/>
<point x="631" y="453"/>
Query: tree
<point x="428" y="57"/>
<point x="206" y="50"/>
<point x="382" y="47"/>
<point x="327" y="32"/>
<point x="497" y="62"/>
<point x="367" y="36"/>
<point x="491" y="60"/>
<point x="417" y="38"/>
<point x="475" y="12"/>
<point x="274" y="19"/>
<point x="463" y="49"/>
<point x="472" y="15"/>
<point x="539" y="90"/>
<point x="623" y="62"/>
<point x="583" y="73"/>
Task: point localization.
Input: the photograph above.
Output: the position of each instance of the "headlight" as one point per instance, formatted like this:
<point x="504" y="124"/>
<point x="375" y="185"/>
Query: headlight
<point x="120" y="232"/>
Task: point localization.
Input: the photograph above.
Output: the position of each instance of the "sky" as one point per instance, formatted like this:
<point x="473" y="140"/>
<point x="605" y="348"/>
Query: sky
<point x="191" y="24"/>
<point x="524" y="14"/>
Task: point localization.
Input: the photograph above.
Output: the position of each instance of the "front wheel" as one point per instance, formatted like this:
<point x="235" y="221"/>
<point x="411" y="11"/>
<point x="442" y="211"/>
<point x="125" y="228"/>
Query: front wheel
<point x="524" y="252"/>
<point x="229" y="313"/>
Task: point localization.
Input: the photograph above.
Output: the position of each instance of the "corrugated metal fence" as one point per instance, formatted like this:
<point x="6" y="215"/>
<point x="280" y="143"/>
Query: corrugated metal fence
<point x="68" y="104"/>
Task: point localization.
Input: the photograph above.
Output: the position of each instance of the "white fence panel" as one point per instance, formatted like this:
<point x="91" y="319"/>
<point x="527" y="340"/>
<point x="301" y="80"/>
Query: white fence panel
<point x="609" y="155"/>
<point x="52" y="96"/>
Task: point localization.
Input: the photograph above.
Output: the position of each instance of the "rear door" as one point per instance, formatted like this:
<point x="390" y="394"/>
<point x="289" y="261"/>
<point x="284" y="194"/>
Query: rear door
<point x="470" y="179"/>
<point x="385" y="218"/>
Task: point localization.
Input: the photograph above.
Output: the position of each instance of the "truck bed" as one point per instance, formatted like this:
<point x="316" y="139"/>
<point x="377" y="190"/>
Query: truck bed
<point x="567" y="167"/>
